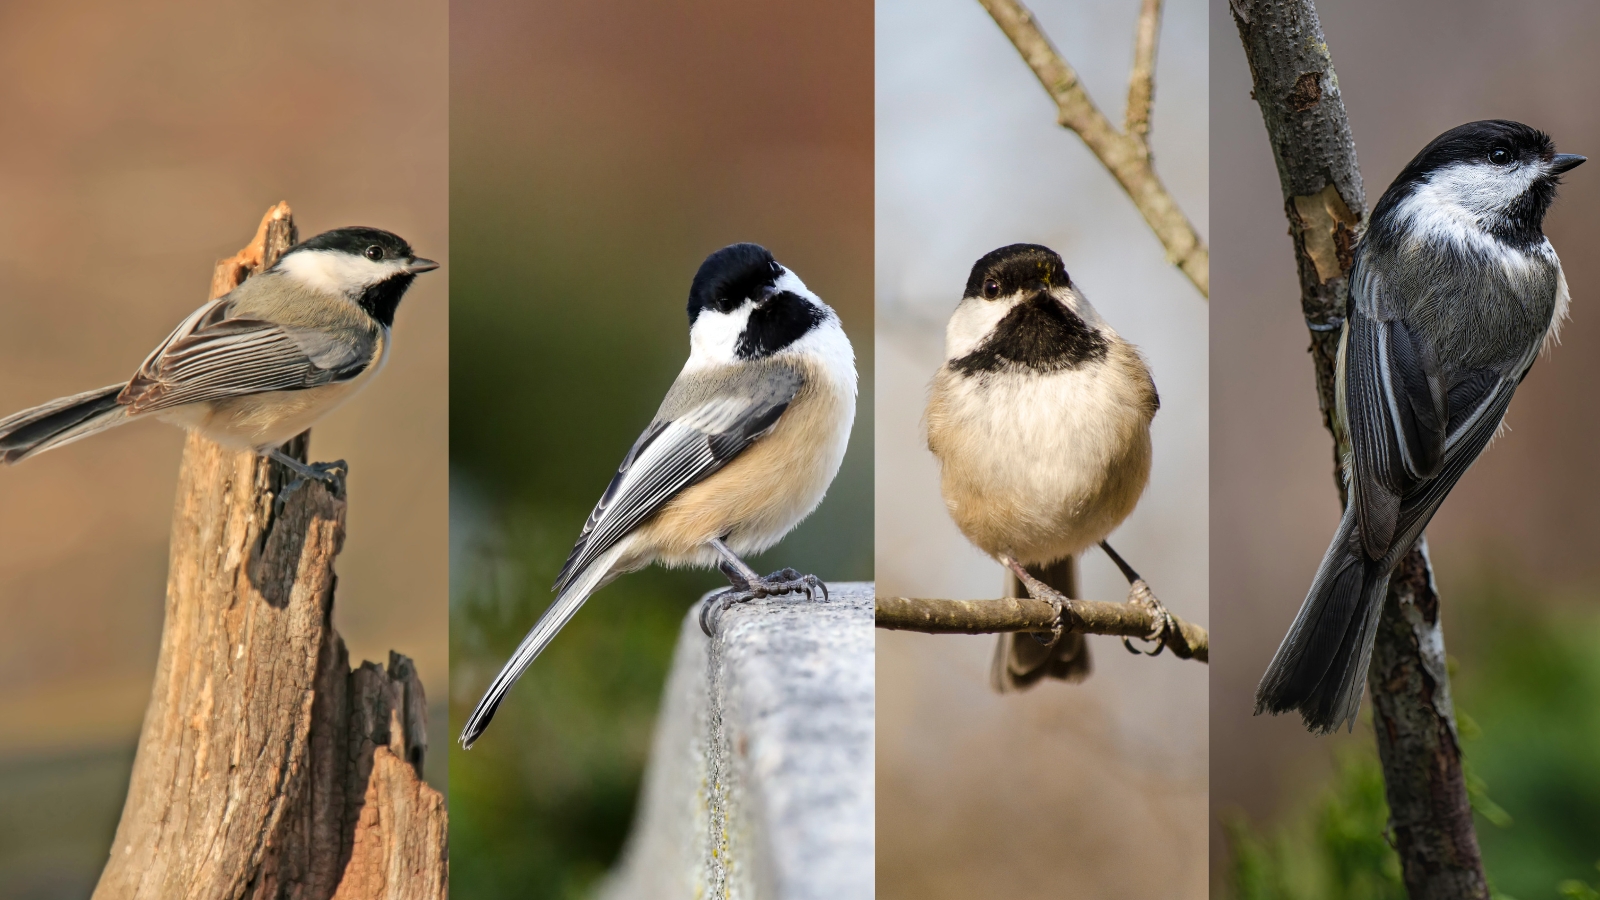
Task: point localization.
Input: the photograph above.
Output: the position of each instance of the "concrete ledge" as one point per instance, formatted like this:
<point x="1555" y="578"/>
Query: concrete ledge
<point x="760" y="783"/>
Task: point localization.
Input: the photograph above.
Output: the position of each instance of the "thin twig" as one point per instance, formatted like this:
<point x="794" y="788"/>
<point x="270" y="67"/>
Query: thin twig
<point x="1126" y="156"/>
<point x="1187" y="641"/>
<point x="1141" y="84"/>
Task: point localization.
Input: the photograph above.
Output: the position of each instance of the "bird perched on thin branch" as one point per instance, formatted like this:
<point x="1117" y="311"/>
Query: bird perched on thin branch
<point x="1040" y="419"/>
<point x="744" y="446"/>
<point x="259" y="365"/>
<point x="1453" y="291"/>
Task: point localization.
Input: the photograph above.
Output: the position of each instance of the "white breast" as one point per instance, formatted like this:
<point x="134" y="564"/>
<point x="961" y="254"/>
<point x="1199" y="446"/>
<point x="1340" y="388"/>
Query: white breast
<point x="1041" y="466"/>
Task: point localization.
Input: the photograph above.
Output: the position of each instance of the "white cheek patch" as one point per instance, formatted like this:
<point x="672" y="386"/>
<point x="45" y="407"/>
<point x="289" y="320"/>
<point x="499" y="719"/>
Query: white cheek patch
<point x="791" y="282"/>
<point x="1079" y="304"/>
<point x="1458" y="201"/>
<point x="972" y="322"/>
<point x="714" y="336"/>
<point x="330" y="271"/>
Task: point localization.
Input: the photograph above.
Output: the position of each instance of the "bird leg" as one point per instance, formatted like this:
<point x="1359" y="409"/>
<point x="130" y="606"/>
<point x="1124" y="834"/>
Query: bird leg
<point x="747" y="585"/>
<point x="331" y="474"/>
<point x="1139" y="592"/>
<point x="1038" y="590"/>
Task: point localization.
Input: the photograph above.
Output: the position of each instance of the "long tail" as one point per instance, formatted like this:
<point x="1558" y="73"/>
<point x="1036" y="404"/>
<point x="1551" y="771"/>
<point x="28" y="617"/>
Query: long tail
<point x="544" y="631"/>
<point x="58" y="422"/>
<point x="1320" y="668"/>
<point x="1022" y="660"/>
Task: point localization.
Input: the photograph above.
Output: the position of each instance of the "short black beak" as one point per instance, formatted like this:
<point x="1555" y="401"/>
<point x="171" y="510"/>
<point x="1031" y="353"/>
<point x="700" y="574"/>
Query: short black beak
<point x="1564" y="161"/>
<point x="418" y="264"/>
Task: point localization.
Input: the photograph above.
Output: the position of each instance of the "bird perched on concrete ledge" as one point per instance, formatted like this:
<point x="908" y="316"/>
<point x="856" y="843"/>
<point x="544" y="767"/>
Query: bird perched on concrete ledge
<point x="744" y="446"/>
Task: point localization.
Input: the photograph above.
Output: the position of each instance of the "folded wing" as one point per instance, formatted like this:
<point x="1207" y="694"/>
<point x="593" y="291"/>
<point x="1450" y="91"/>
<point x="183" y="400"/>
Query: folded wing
<point x="680" y="449"/>
<point x="212" y="356"/>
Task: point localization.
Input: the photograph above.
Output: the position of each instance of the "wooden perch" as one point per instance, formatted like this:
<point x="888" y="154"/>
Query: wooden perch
<point x="266" y="768"/>
<point x="1125" y="154"/>
<point x="1190" y="641"/>
<point x="1408" y="684"/>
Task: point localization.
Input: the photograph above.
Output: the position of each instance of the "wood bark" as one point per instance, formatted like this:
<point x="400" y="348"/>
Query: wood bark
<point x="265" y="767"/>
<point x="1190" y="641"/>
<point x="1324" y="200"/>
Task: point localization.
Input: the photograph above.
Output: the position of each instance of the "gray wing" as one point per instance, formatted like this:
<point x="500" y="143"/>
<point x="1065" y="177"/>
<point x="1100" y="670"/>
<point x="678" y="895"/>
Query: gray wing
<point x="679" y="450"/>
<point x="1413" y="430"/>
<point x="212" y="356"/>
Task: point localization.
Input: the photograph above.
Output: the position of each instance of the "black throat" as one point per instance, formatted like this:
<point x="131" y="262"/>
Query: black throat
<point x="1038" y="335"/>
<point x="782" y="319"/>
<point x="382" y="299"/>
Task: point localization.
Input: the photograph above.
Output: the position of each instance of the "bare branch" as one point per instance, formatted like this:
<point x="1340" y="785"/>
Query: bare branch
<point x="1141" y="84"/>
<point x="1125" y="156"/>
<point x="1189" y="641"/>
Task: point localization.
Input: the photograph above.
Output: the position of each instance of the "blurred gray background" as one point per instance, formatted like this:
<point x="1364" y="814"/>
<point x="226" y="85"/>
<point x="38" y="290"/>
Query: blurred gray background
<point x="141" y="143"/>
<point x="1099" y="789"/>
<point x="1516" y="539"/>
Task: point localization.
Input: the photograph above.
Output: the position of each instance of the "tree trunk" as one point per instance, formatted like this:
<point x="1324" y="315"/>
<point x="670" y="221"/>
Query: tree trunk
<point x="266" y="768"/>
<point x="1298" y="93"/>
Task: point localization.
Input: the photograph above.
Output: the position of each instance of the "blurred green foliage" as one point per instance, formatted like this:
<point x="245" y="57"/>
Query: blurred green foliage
<point x="1336" y="851"/>
<point x="1526" y="668"/>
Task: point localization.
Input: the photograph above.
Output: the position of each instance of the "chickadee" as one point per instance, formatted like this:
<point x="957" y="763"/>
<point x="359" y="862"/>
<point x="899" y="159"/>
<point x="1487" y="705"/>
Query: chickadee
<point x="1453" y="292"/>
<point x="1040" y="419"/>
<point x="745" y="444"/>
<point x="258" y="365"/>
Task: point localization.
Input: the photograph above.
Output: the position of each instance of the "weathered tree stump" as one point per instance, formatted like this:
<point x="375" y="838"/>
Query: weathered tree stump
<point x="266" y="768"/>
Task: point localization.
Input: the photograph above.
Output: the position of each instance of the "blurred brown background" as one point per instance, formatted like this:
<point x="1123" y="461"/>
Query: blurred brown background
<point x="141" y="143"/>
<point x="1526" y="513"/>
<point x="1092" y="790"/>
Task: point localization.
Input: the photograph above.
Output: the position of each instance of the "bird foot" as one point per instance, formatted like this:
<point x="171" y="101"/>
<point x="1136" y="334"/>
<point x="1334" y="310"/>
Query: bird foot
<point x="1038" y="590"/>
<point x="331" y="474"/>
<point x="1139" y="593"/>
<point x="783" y="581"/>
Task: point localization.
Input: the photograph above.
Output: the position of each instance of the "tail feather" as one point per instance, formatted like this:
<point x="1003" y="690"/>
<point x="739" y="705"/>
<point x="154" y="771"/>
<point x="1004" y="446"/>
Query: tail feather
<point x="566" y="605"/>
<point x="59" y="422"/>
<point x="1022" y="660"/>
<point x="1320" y="668"/>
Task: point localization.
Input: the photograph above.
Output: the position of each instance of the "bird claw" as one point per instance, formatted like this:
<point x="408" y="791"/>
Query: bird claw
<point x="783" y="581"/>
<point x="1165" y="626"/>
<point x="330" y="474"/>
<point x="1038" y="590"/>
<point x="789" y="581"/>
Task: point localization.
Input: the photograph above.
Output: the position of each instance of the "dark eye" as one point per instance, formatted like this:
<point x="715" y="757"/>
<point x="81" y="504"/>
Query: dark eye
<point x="1500" y="156"/>
<point x="991" y="289"/>
<point x="374" y="253"/>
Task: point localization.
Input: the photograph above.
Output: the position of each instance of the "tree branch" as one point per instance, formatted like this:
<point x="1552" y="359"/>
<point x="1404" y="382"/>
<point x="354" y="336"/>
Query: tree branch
<point x="1141" y="84"/>
<point x="1324" y="200"/>
<point x="1126" y="156"/>
<point x="1188" y="641"/>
